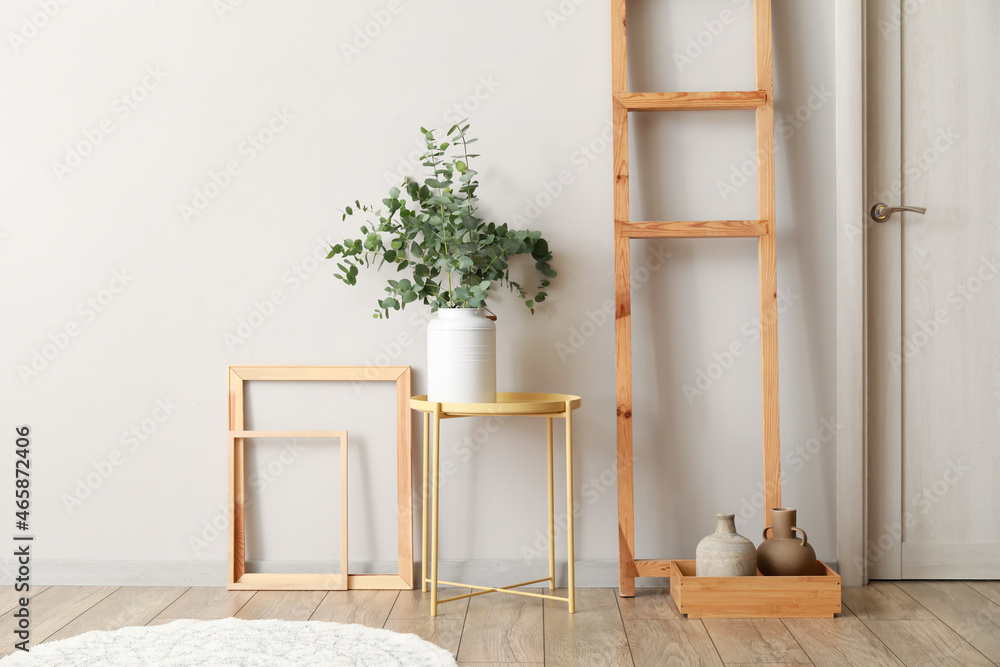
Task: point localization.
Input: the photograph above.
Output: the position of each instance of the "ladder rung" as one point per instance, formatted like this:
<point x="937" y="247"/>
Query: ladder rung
<point x="653" y="568"/>
<point x="698" y="229"/>
<point x="692" y="101"/>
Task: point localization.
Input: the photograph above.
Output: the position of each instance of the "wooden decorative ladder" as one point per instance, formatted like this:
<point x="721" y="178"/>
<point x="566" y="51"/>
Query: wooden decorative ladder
<point x="623" y="102"/>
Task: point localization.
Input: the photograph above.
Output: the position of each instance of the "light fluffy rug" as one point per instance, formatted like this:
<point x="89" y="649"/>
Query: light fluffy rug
<point x="236" y="643"/>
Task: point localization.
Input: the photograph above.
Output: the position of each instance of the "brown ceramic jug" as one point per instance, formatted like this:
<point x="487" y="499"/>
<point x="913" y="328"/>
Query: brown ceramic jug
<point x="784" y="555"/>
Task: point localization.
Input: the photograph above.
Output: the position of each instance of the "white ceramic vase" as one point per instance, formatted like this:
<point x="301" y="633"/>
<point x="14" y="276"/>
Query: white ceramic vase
<point x="726" y="553"/>
<point x="461" y="357"/>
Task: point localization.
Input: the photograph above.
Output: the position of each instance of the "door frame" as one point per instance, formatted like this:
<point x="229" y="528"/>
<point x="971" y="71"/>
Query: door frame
<point x="852" y="292"/>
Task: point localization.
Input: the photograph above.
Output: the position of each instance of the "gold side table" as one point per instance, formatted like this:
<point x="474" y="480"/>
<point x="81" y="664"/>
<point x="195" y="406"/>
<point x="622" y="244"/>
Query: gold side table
<point x="549" y="406"/>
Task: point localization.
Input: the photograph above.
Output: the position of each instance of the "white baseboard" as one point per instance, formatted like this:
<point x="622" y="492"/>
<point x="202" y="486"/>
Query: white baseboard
<point x="589" y="573"/>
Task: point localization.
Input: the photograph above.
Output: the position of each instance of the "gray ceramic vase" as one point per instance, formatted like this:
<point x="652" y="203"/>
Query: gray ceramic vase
<point x="784" y="554"/>
<point x="726" y="553"/>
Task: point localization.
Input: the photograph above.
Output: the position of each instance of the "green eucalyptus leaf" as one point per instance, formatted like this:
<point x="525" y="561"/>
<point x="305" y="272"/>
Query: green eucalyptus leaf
<point x="454" y="256"/>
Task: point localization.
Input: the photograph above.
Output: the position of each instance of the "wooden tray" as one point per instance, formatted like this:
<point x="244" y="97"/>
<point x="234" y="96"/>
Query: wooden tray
<point x="754" y="597"/>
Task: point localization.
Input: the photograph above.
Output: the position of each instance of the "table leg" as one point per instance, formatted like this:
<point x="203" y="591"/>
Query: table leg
<point x="424" y="501"/>
<point x="435" y="492"/>
<point x="552" y="515"/>
<point x="569" y="508"/>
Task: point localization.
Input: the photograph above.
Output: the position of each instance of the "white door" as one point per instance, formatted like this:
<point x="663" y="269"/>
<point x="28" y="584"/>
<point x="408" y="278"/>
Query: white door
<point x="933" y="114"/>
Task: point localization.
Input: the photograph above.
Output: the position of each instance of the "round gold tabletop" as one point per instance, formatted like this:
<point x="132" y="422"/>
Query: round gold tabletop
<point x="506" y="404"/>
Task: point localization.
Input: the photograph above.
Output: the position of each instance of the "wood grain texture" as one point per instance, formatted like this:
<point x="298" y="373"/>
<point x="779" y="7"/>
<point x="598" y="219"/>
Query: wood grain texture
<point x="698" y="101"/>
<point x="596" y="635"/>
<point x="768" y="266"/>
<point x="975" y="618"/>
<point x="649" y="604"/>
<point x="51" y="610"/>
<point x="369" y="608"/>
<point x="754" y="640"/>
<point x="283" y="605"/>
<point x="126" y="606"/>
<point x="754" y="597"/>
<point x="988" y="589"/>
<point x="623" y="358"/>
<point x="883" y="600"/>
<point x="694" y="229"/>
<point x="236" y="548"/>
<point x="440" y="631"/>
<point x="237" y="577"/>
<point x="268" y="581"/>
<point x="9" y="597"/>
<point x="647" y="567"/>
<point x="593" y="635"/>
<point x="321" y="373"/>
<point x="503" y="628"/>
<point x="763" y="228"/>
<point x="416" y="605"/>
<point x="204" y="602"/>
<point x="404" y="476"/>
<point x="623" y="303"/>
<point x="662" y="642"/>
<point x="287" y="434"/>
<point x="767" y="258"/>
<point x="841" y="641"/>
<point x="294" y="581"/>
<point x="387" y="582"/>
<point x="619" y="48"/>
<point x="344" y="514"/>
<point x="926" y="644"/>
<point x="763" y="69"/>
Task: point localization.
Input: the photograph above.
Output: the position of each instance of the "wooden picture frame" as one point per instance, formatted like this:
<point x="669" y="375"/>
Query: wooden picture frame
<point x="256" y="581"/>
<point x="237" y="578"/>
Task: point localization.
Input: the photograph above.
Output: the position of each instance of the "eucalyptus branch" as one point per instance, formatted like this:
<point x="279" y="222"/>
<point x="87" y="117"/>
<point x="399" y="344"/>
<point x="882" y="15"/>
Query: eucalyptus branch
<point x="432" y="228"/>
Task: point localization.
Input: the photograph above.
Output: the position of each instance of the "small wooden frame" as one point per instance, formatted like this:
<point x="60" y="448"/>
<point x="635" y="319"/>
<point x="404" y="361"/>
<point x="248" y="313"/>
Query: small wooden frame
<point x="237" y="578"/>
<point x="754" y="597"/>
<point x="256" y="581"/>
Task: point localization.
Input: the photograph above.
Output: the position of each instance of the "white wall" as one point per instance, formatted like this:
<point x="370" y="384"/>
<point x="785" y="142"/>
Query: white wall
<point x="534" y="78"/>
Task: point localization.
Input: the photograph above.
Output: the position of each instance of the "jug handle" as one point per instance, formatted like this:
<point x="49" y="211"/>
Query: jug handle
<point x="804" y="538"/>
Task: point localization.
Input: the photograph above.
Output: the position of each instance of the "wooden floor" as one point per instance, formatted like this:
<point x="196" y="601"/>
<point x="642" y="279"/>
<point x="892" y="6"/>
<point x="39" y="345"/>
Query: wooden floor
<point x="906" y="623"/>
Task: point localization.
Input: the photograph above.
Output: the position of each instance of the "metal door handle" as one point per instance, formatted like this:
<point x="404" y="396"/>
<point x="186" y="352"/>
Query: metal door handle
<point x="881" y="212"/>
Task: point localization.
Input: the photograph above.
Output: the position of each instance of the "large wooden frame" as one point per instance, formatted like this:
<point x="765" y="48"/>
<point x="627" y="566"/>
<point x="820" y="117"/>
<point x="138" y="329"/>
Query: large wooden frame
<point x="762" y="101"/>
<point x="237" y="576"/>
